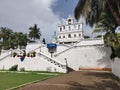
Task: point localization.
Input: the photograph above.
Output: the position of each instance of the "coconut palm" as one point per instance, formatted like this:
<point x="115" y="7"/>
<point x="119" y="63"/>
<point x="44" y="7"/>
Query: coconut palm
<point x="34" y="32"/>
<point x="5" y="35"/>
<point x="20" y="39"/>
<point x="105" y="14"/>
<point x="108" y="26"/>
<point x="91" y="10"/>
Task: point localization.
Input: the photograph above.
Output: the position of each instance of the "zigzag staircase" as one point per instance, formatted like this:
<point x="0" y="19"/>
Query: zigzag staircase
<point x="56" y="62"/>
<point x="51" y="60"/>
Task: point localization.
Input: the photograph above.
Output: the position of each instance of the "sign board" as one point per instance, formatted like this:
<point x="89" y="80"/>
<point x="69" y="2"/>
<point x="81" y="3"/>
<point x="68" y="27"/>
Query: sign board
<point x="51" y="48"/>
<point x="51" y="45"/>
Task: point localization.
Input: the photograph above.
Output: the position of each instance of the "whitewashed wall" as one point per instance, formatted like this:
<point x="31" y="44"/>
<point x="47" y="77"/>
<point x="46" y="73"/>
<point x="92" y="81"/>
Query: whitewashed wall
<point x="87" y="57"/>
<point x="116" y="67"/>
<point x="31" y="64"/>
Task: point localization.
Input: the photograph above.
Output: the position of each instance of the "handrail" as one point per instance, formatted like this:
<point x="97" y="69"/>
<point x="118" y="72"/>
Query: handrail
<point x="59" y="64"/>
<point x="63" y="51"/>
<point x="19" y="50"/>
<point x="5" y="57"/>
<point x="51" y="60"/>
<point x="70" y="47"/>
<point x="9" y="54"/>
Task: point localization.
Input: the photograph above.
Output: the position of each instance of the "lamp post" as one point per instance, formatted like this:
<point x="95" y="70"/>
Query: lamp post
<point x="66" y="65"/>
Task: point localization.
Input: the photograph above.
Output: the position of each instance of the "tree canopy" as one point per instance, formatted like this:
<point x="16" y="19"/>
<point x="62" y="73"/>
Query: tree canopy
<point x="105" y="14"/>
<point x="34" y="32"/>
<point x="10" y="39"/>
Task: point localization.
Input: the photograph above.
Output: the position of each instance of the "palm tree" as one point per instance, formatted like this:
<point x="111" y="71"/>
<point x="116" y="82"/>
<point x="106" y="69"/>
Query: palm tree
<point x="34" y="32"/>
<point x="91" y="10"/>
<point x="107" y="26"/>
<point x="5" y="35"/>
<point x="20" y="39"/>
<point x="105" y="14"/>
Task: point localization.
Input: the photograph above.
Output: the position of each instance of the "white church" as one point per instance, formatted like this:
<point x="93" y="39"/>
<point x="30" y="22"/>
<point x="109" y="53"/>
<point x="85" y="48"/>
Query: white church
<point x="69" y="49"/>
<point x="71" y="32"/>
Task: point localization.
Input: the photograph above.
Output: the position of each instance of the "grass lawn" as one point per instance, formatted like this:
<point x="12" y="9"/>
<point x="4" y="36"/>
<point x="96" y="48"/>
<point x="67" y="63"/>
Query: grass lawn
<point x="12" y="79"/>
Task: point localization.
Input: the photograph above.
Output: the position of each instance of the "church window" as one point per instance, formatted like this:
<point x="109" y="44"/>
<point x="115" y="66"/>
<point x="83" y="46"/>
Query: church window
<point x="69" y="21"/>
<point x="74" y="35"/>
<point x="69" y="28"/>
<point x="69" y="35"/>
<point x="59" y="36"/>
<point x="63" y="27"/>
<point x="60" y="29"/>
<point x="78" y="26"/>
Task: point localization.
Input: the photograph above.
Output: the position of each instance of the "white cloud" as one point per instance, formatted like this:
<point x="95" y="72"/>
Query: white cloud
<point x="19" y="15"/>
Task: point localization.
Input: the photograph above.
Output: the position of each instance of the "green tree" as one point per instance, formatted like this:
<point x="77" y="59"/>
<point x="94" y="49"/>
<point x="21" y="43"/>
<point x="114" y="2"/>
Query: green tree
<point x="106" y="15"/>
<point x="86" y="37"/>
<point x="6" y="35"/>
<point x="20" y="39"/>
<point x="44" y="41"/>
<point x="10" y="39"/>
<point x="108" y="26"/>
<point x="34" y="32"/>
<point x="91" y="10"/>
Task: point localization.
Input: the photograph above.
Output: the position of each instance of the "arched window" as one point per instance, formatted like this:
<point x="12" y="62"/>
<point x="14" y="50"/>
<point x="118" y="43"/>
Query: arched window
<point x="60" y="29"/>
<point x="69" y="35"/>
<point x="79" y="35"/>
<point x="78" y="26"/>
<point x="63" y="27"/>
<point x="74" y="35"/>
<point x="59" y="36"/>
<point x="63" y="36"/>
<point x="69" y="21"/>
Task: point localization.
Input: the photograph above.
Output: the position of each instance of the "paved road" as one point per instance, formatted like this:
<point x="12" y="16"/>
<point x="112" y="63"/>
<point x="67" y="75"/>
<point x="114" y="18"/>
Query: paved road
<point x="81" y="80"/>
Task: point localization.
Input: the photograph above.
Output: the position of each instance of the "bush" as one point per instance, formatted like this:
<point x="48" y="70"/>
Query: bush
<point x="22" y="69"/>
<point x="14" y="54"/>
<point x="13" y="68"/>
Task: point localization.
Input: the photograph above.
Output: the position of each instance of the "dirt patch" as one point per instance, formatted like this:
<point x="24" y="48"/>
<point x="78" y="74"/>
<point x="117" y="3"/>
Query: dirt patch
<point x="78" y="80"/>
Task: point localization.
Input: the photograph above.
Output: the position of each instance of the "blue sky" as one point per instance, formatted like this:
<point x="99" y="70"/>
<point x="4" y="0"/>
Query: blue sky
<point x="19" y="15"/>
<point x="64" y="7"/>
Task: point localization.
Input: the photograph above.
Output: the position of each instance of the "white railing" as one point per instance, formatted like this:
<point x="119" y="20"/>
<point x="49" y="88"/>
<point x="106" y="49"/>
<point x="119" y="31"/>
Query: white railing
<point x="10" y="53"/>
<point x="64" y="51"/>
<point x="53" y="61"/>
<point x="70" y="47"/>
<point x="5" y="57"/>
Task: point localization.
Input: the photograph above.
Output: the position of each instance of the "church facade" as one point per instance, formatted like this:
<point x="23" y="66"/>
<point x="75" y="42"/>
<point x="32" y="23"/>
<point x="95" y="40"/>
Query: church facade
<point x="70" y="32"/>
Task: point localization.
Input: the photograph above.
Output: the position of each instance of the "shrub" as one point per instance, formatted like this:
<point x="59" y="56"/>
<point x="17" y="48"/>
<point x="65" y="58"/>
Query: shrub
<point x="13" y="68"/>
<point x="34" y="54"/>
<point x="22" y="69"/>
<point x="14" y="54"/>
